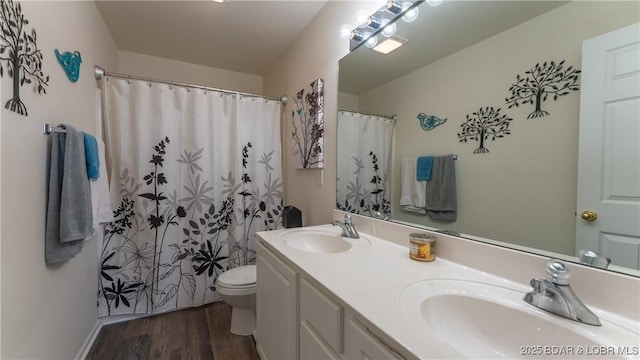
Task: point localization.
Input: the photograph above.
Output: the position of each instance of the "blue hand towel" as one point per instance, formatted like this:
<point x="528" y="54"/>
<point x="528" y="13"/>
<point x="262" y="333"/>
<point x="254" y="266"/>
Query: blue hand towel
<point x="91" y="155"/>
<point x="423" y="169"/>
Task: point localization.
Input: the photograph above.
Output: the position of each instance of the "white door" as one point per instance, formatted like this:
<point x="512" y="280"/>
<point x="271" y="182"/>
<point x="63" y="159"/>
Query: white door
<point x="609" y="152"/>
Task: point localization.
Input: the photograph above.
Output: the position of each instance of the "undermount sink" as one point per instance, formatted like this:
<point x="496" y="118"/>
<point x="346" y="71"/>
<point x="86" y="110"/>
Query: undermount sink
<point x="477" y="320"/>
<point x="318" y="240"/>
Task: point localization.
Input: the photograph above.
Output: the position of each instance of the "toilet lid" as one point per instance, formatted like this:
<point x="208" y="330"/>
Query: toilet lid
<point x="243" y="275"/>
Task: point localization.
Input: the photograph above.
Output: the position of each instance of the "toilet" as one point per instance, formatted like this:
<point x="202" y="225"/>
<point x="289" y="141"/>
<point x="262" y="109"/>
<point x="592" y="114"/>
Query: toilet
<point x="237" y="287"/>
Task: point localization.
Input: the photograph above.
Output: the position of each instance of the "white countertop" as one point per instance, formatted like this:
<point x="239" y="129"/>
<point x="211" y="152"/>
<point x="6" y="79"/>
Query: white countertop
<point x="371" y="277"/>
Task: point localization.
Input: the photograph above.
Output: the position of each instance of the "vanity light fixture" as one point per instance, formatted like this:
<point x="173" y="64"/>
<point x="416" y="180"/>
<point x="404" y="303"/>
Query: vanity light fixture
<point x="390" y="44"/>
<point x="219" y="1"/>
<point x="387" y="30"/>
<point x="381" y="22"/>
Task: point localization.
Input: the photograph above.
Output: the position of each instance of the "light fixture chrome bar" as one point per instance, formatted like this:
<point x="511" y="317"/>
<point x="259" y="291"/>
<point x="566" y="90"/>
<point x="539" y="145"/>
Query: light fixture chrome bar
<point x="382" y="14"/>
<point x="100" y="73"/>
<point x="394" y="7"/>
<point x="374" y="22"/>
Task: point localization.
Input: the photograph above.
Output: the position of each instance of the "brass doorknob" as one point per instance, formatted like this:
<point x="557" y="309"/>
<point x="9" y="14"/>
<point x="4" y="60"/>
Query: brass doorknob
<point x="589" y="215"/>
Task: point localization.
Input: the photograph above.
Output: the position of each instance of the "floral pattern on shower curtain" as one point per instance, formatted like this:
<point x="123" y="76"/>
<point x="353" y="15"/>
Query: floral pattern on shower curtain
<point x="194" y="174"/>
<point x="364" y="157"/>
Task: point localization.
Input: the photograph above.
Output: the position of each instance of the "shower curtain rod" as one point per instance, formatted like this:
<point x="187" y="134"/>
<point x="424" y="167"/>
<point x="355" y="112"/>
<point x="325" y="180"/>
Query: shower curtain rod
<point x="100" y="73"/>
<point x="393" y="117"/>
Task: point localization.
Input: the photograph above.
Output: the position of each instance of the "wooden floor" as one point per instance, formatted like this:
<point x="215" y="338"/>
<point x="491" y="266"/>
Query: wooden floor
<point x="198" y="333"/>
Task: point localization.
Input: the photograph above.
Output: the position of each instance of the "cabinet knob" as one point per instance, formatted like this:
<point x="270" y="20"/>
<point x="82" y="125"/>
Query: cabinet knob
<point x="589" y="215"/>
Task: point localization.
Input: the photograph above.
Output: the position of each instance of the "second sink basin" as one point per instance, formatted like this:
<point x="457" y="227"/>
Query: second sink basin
<point x="477" y="320"/>
<point x="318" y="240"/>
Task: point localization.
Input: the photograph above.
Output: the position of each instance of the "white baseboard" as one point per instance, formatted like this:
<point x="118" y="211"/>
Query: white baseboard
<point x="114" y="319"/>
<point x="88" y="342"/>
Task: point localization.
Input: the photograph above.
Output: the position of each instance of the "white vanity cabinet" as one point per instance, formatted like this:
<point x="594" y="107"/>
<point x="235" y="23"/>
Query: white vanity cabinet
<point x="321" y="323"/>
<point x="276" y="308"/>
<point x="329" y="329"/>
<point x="298" y="318"/>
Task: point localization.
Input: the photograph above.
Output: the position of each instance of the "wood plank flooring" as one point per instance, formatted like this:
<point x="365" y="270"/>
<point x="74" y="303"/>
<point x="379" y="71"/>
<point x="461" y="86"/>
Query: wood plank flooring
<point x="200" y="333"/>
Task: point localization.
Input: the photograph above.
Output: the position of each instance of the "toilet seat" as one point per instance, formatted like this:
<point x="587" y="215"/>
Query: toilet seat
<point x="242" y="277"/>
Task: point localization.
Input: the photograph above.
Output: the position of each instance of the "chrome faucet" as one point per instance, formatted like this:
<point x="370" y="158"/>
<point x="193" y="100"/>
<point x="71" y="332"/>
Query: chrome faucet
<point x="348" y="229"/>
<point x="381" y="216"/>
<point x="554" y="295"/>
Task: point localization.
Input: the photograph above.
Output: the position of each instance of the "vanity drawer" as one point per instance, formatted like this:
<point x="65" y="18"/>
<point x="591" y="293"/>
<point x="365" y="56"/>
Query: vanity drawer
<point x="322" y="314"/>
<point x="365" y="345"/>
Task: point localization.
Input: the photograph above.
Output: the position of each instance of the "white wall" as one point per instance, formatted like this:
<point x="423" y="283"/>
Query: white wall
<point x="315" y="54"/>
<point x="165" y="69"/>
<point x="47" y="311"/>
<point x="524" y="190"/>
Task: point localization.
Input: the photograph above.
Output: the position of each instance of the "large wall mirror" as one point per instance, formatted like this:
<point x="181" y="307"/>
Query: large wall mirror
<point x="464" y="60"/>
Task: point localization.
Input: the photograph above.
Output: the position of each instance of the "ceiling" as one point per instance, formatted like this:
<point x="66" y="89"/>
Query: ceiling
<point x="238" y="35"/>
<point x="438" y="32"/>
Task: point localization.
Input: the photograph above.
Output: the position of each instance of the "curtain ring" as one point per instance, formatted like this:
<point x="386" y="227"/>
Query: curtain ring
<point x="149" y="84"/>
<point x="128" y="82"/>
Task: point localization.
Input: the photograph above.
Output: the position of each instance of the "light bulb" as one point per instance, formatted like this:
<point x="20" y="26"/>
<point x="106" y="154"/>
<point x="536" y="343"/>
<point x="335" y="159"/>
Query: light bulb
<point x="371" y="41"/>
<point x="434" y="2"/>
<point x="345" y="31"/>
<point x="411" y="15"/>
<point x="361" y="17"/>
<point x="389" y="30"/>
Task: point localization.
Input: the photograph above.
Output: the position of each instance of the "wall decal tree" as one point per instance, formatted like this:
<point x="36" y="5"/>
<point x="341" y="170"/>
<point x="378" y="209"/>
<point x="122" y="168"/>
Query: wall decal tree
<point x="540" y="82"/>
<point x="484" y="124"/>
<point x="20" y="55"/>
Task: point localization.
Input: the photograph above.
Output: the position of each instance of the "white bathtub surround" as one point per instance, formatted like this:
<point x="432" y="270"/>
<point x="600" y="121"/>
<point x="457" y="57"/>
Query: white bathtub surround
<point x="376" y="280"/>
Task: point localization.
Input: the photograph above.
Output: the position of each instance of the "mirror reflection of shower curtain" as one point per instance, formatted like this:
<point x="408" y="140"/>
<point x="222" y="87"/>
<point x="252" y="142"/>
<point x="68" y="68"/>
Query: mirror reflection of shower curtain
<point x="364" y="164"/>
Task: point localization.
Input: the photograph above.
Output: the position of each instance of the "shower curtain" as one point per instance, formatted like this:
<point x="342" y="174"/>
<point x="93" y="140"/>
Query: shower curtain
<point x="194" y="174"/>
<point x="364" y="158"/>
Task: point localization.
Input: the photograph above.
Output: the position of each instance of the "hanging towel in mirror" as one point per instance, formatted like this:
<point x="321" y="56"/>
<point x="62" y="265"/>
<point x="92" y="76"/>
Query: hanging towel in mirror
<point x="423" y="168"/>
<point x="441" y="200"/>
<point x="413" y="191"/>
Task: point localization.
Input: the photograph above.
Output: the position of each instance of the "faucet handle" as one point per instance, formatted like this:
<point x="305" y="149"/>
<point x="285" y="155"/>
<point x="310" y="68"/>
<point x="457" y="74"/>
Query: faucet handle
<point x="557" y="272"/>
<point x="347" y="218"/>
